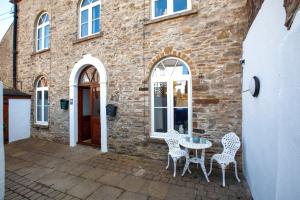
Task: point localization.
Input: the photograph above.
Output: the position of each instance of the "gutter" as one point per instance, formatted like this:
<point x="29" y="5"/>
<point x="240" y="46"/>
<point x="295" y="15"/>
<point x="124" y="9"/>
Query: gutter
<point x="15" y="45"/>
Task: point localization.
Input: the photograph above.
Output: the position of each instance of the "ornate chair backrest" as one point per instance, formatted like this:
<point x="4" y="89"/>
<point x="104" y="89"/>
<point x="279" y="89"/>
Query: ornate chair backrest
<point x="231" y="144"/>
<point x="172" y="139"/>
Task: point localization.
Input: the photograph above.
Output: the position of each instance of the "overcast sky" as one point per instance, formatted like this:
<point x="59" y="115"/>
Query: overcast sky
<point x="6" y="18"/>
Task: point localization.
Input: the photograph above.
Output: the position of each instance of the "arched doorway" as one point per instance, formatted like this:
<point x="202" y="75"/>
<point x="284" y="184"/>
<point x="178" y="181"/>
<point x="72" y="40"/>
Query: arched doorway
<point x="77" y="72"/>
<point x="89" y="107"/>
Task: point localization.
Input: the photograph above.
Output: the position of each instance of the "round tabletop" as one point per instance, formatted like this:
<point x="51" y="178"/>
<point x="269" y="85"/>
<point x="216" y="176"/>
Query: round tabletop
<point x="203" y="144"/>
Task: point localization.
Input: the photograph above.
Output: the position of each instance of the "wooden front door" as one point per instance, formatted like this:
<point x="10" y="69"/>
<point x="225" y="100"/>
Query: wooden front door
<point x="89" y="129"/>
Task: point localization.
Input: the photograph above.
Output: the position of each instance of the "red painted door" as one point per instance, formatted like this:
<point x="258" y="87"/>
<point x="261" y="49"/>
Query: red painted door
<point x="89" y="115"/>
<point x="95" y="114"/>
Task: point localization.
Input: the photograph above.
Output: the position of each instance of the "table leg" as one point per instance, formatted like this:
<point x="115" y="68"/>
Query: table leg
<point x="203" y="164"/>
<point x="187" y="163"/>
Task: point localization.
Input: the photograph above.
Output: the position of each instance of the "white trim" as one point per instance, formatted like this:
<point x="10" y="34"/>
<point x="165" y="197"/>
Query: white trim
<point x="73" y="84"/>
<point x="42" y="26"/>
<point x="170" y="102"/>
<point x="89" y="8"/>
<point x="42" y="90"/>
<point x="170" y="8"/>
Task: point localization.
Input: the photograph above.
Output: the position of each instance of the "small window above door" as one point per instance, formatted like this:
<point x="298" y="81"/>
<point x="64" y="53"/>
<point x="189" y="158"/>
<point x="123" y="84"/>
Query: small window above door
<point x="88" y="76"/>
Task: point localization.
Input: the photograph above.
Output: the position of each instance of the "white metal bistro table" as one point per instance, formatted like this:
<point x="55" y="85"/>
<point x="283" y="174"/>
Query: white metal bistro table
<point x="202" y="145"/>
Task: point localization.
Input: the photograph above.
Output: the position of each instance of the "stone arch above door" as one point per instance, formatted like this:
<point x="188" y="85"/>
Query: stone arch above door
<point x="87" y="60"/>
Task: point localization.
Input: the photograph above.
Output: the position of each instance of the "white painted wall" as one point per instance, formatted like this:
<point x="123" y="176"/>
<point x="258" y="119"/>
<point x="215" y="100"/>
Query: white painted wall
<point x="271" y="133"/>
<point x="2" y="168"/>
<point x="19" y="119"/>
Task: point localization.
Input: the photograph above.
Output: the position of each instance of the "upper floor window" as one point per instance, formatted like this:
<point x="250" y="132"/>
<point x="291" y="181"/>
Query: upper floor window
<point x="89" y="17"/>
<point x="43" y="26"/>
<point x="41" y="106"/>
<point x="168" y="7"/>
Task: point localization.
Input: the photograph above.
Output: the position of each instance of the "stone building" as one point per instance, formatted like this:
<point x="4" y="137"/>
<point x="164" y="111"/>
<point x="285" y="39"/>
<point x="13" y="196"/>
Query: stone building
<point x="6" y="58"/>
<point x="164" y="64"/>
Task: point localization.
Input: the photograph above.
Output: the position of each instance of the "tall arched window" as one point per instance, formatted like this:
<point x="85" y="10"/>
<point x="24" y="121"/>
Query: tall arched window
<point x="171" y="97"/>
<point x="89" y="23"/>
<point x="42" y="32"/>
<point x="42" y="102"/>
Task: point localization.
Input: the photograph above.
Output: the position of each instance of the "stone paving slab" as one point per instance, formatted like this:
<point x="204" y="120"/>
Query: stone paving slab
<point x="38" y="169"/>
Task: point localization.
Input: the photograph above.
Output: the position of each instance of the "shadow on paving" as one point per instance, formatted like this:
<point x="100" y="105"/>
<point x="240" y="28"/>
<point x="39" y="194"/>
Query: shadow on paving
<point x="38" y="169"/>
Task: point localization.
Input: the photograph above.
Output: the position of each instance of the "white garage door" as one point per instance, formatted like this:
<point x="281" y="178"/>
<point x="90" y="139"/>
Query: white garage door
<point x="19" y="119"/>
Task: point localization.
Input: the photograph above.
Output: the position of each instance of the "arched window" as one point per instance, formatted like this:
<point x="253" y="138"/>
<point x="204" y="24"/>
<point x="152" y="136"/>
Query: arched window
<point x="171" y="97"/>
<point x="42" y="32"/>
<point x="42" y="101"/>
<point x="89" y="22"/>
<point x="89" y="75"/>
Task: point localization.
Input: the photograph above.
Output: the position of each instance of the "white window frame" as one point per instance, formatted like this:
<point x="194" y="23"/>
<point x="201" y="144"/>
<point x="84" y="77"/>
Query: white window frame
<point x="170" y="9"/>
<point x="170" y="102"/>
<point x="42" y="90"/>
<point x="42" y="26"/>
<point x="89" y="8"/>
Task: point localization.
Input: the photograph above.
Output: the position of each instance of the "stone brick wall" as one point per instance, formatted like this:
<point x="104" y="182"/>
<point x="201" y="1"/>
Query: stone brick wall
<point x="6" y="75"/>
<point x="208" y="38"/>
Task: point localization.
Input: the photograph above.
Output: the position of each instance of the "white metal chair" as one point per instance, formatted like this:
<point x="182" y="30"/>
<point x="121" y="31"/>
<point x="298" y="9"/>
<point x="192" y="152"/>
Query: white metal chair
<point x="231" y="143"/>
<point x="175" y="152"/>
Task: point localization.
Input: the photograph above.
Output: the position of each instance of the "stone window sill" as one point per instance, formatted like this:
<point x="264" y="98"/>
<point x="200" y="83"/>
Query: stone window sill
<point x="40" y="126"/>
<point x="169" y="17"/>
<point x="91" y="37"/>
<point x="40" y="52"/>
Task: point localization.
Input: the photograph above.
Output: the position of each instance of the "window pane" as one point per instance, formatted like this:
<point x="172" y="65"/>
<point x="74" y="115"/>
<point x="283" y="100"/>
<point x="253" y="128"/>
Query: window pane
<point x="84" y="30"/>
<point x="96" y="12"/>
<point x="181" y="120"/>
<point x="45" y="18"/>
<point x="160" y="94"/>
<point x="45" y="113"/>
<point x="40" y="44"/>
<point x="179" y="5"/>
<point x="39" y="98"/>
<point x="160" y="7"/>
<point x="39" y="113"/>
<point x="160" y="120"/>
<point x="46" y="31"/>
<point x="84" y="16"/>
<point x="96" y="26"/>
<point x="46" y="35"/>
<point x="180" y="91"/>
<point x="46" y="41"/>
<point x="85" y="3"/>
<point x="46" y="97"/>
<point x="39" y="106"/>
<point x="39" y="38"/>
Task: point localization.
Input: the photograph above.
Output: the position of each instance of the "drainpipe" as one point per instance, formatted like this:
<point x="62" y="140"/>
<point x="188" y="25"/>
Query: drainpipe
<point x="15" y="45"/>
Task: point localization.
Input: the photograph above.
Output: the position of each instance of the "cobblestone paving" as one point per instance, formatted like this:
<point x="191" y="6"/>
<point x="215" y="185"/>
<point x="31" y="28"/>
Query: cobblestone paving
<point x="37" y="169"/>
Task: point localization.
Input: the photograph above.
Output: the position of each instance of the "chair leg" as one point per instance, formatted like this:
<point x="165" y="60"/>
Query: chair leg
<point x="223" y="175"/>
<point x="236" y="174"/>
<point x="174" y="161"/>
<point x="168" y="161"/>
<point x="210" y="170"/>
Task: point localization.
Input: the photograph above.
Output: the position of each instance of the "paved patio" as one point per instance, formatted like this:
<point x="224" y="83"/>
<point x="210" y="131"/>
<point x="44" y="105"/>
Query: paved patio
<point x="37" y="169"/>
